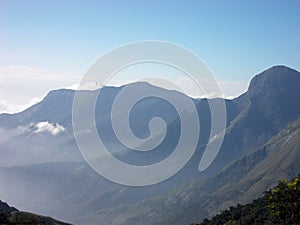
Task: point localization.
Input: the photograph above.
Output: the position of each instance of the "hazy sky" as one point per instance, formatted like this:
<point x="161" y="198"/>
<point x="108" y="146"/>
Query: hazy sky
<point x="50" y="44"/>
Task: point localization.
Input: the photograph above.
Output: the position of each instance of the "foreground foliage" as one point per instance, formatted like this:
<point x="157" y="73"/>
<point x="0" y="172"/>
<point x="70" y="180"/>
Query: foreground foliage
<point x="280" y="205"/>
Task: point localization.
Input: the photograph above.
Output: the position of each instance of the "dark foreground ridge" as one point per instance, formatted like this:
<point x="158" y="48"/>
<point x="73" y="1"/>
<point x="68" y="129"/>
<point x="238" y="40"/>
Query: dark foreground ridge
<point x="12" y="216"/>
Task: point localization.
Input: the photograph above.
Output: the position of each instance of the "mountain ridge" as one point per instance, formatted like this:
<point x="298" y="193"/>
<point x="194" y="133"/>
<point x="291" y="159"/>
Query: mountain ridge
<point x="249" y="127"/>
<point x="11" y="216"/>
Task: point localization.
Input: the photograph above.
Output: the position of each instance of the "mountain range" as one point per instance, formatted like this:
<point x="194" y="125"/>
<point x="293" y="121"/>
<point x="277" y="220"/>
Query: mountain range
<point x="45" y="173"/>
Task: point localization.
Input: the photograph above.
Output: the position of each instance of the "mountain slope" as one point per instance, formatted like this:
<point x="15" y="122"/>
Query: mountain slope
<point x="269" y="105"/>
<point x="11" y="216"/>
<point x="6" y="208"/>
<point x="253" y="174"/>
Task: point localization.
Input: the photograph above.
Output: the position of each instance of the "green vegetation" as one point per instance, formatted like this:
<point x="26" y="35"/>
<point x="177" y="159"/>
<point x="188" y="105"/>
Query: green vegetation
<point x="280" y="205"/>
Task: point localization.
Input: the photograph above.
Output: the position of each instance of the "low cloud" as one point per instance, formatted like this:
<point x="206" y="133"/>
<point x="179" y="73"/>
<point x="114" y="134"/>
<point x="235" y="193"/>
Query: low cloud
<point x="20" y="85"/>
<point x="53" y="129"/>
<point x="90" y="85"/>
<point x="6" y="134"/>
<point x="6" y="107"/>
<point x="210" y="89"/>
<point x="45" y="126"/>
<point x="225" y="89"/>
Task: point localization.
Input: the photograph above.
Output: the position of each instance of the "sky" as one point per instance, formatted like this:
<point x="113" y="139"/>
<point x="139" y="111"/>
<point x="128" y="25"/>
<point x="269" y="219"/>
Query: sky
<point x="47" y="45"/>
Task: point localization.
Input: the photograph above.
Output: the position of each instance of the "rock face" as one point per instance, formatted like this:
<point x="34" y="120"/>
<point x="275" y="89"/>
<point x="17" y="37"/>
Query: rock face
<point x="275" y="94"/>
<point x="270" y="103"/>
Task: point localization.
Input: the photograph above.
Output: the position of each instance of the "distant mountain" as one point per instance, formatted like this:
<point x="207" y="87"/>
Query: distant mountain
<point x="20" y="131"/>
<point x="11" y="216"/>
<point x="252" y="119"/>
<point x="44" y="171"/>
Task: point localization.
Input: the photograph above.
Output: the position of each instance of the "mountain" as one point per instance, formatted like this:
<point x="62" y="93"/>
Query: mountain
<point x="45" y="129"/>
<point x="11" y="216"/>
<point x="270" y="94"/>
<point x="269" y="105"/>
<point x="34" y="129"/>
<point x="240" y="182"/>
<point x="44" y="171"/>
<point x="47" y="167"/>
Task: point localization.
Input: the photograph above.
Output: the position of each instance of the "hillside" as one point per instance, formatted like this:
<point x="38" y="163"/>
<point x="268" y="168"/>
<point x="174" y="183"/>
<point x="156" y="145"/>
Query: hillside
<point x="11" y="216"/>
<point x="240" y="182"/>
<point x="280" y="205"/>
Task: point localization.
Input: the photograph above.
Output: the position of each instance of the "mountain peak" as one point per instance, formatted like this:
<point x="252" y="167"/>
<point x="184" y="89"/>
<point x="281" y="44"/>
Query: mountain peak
<point x="275" y="79"/>
<point x="271" y="93"/>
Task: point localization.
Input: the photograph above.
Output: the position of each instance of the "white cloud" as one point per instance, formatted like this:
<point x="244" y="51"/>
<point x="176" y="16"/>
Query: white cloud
<point x="22" y="86"/>
<point x="225" y="89"/>
<point x="40" y="127"/>
<point x="228" y="89"/>
<point x="6" y="107"/>
<point x="90" y="85"/>
<point x="93" y="85"/>
<point x="119" y="82"/>
<point x="72" y="87"/>
<point x="45" y="126"/>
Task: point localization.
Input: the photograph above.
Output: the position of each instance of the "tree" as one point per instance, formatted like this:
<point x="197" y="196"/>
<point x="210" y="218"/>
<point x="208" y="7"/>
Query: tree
<point x="284" y="202"/>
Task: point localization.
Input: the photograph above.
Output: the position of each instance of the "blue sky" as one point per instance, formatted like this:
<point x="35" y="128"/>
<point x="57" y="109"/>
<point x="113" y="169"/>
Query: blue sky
<point x="236" y="39"/>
